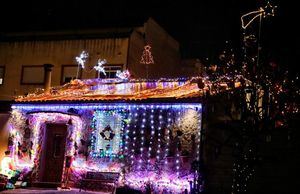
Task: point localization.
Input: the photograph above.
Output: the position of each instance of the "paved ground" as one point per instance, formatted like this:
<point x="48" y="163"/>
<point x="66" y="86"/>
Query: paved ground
<point x="48" y="191"/>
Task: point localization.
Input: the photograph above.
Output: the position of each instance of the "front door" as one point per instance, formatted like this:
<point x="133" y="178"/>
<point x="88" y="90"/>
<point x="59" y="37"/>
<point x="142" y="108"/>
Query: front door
<point x="53" y="153"/>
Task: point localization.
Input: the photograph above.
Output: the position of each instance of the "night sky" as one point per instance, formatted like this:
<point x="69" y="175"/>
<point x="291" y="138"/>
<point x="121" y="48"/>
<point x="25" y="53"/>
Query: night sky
<point x="201" y="27"/>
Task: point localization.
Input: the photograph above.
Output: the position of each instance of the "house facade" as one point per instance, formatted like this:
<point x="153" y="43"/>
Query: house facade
<point x="146" y="130"/>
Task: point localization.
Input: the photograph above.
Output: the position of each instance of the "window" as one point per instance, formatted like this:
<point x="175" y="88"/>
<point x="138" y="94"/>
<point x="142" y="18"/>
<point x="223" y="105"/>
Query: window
<point x="69" y="72"/>
<point x="111" y="71"/>
<point x="32" y="74"/>
<point x="2" y="73"/>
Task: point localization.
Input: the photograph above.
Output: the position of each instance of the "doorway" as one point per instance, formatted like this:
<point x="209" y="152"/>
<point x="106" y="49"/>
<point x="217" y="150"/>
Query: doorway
<point x="53" y="153"/>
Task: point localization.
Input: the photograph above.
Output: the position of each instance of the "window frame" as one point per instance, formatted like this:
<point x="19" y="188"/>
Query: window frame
<point x="110" y="65"/>
<point x="31" y="66"/>
<point x="63" y="70"/>
<point x="3" y="66"/>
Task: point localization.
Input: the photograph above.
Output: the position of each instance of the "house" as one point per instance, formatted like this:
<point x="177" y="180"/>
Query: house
<point x="22" y="55"/>
<point x="146" y="130"/>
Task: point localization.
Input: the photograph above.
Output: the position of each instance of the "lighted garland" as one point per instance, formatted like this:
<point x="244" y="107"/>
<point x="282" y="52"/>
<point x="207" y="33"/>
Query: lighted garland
<point x="132" y="89"/>
<point x="142" y="134"/>
<point x="133" y="123"/>
<point x="37" y="123"/>
<point x="167" y="136"/>
<point x="110" y="143"/>
<point x="153" y="166"/>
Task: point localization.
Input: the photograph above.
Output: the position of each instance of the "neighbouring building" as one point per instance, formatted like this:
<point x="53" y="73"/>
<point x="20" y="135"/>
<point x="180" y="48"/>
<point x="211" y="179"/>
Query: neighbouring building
<point x="22" y="55"/>
<point x="192" y="67"/>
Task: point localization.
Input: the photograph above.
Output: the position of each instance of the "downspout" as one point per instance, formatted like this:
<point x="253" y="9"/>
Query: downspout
<point x="47" y="82"/>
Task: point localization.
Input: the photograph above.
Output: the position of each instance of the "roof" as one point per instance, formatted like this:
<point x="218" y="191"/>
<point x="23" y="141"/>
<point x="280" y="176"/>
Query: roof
<point x="66" y="35"/>
<point x="108" y="90"/>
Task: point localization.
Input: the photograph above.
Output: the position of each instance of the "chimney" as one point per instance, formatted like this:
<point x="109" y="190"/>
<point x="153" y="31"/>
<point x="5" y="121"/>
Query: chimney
<point x="47" y="83"/>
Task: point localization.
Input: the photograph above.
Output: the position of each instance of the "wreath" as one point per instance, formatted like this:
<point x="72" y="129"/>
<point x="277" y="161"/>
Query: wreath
<point x="107" y="136"/>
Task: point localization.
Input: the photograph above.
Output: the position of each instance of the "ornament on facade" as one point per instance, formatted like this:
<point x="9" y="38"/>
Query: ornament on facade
<point x="147" y="57"/>
<point x="107" y="133"/>
<point x="99" y="67"/>
<point x="81" y="59"/>
<point x="123" y="74"/>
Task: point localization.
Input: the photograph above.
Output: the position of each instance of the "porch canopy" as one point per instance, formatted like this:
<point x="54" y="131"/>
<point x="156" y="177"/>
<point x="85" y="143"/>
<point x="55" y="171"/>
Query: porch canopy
<point x="127" y="90"/>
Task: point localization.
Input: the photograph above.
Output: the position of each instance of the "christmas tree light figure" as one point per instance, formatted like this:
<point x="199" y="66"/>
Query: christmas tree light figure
<point x="147" y="57"/>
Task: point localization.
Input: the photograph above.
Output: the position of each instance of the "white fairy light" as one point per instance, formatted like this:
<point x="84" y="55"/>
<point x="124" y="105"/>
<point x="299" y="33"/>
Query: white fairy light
<point x="152" y="132"/>
<point x="177" y="149"/>
<point x="134" y="137"/>
<point x="160" y="117"/>
<point x="142" y="129"/>
<point x="81" y="59"/>
<point x="123" y="74"/>
<point x="168" y="128"/>
<point x="99" y="67"/>
<point x="199" y="135"/>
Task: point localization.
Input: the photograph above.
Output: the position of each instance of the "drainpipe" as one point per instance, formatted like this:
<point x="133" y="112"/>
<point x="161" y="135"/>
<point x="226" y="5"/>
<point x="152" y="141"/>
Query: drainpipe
<point x="47" y="83"/>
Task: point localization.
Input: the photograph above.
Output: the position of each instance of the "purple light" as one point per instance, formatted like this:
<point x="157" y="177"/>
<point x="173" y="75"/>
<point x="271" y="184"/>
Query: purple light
<point x="101" y="106"/>
<point x="143" y="119"/>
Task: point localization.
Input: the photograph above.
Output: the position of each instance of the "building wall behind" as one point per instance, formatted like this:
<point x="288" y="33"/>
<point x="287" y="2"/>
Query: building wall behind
<point x="164" y="49"/>
<point x="63" y="52"/>
<point x="3" y="133"/>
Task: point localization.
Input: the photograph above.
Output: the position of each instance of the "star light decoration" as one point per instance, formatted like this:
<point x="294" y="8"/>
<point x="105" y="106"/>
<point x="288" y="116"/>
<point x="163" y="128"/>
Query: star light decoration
<point x="99" y="67"/>
<point x="268" y="10"/>
<point x="123" y="74"/>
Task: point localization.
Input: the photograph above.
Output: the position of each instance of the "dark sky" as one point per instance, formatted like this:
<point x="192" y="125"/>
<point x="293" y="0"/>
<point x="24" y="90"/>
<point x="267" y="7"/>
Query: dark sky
<point x="201" y="26"/>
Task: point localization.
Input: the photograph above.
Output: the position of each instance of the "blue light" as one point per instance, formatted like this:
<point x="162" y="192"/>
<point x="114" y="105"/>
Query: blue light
<point x="84" y="106"/>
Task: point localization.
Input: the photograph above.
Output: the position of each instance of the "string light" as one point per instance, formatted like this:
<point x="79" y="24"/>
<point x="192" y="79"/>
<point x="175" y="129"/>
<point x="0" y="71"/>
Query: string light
<point x="99" y="67"/>
<point x="134" y="138"/>
<point x="123" y="74"/>
<point x="152" y="133"/>
<point x="140" y="89"/>
<point x="198" y="136"/>
<point x="177" y="162"/>
<point x="147" y="57"/>
<point x="160" y="121"/>
<point x="53" y="107"/>
<point x="168" y="133"/>
<point x="127" y="136"/>
<point x="102" y="119"/>
<point x="137" y="118"/>
<point x="266" y="11"/>
<point x="81" y="59"/>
